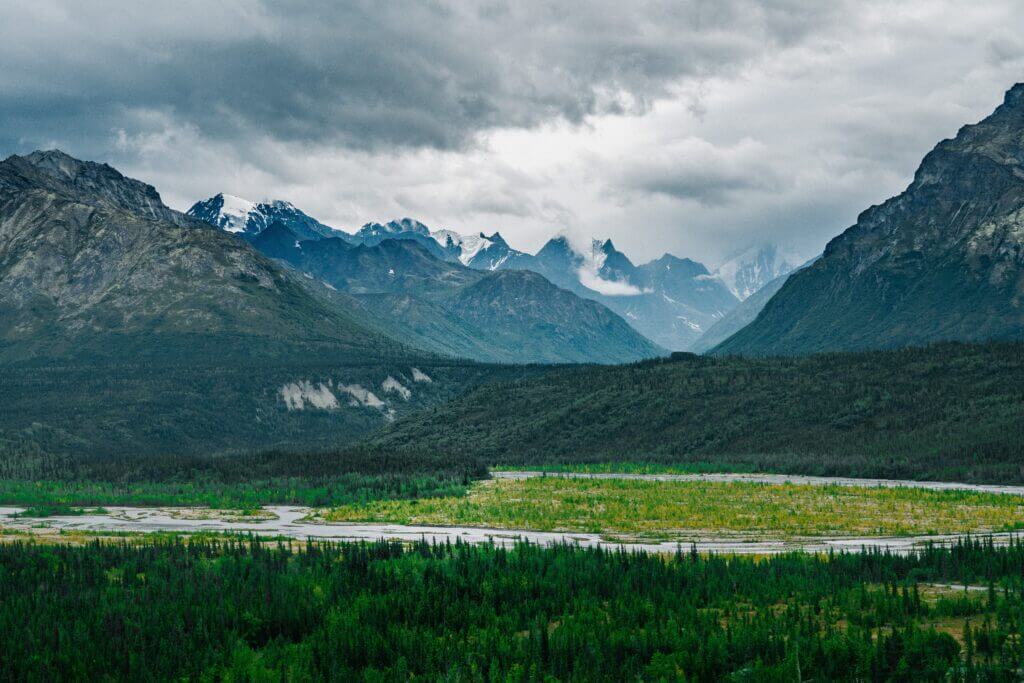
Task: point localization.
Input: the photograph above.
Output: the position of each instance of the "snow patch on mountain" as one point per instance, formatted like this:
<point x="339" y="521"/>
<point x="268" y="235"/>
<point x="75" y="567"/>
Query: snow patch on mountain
<point x="467" y="246"/>
<point x="420" y="376"/>
<point x="235" y="212"/>
<point x="243" y="216"/>
<point x="753" y="268"/>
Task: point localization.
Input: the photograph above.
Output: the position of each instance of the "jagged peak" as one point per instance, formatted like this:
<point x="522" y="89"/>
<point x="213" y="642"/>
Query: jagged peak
<point x="1014" y="96"/>
<point x="92" y="182"/>
<point x="668" y="259"/>
<point x="558" y="243"/>
<point x="61" y="165"/>
<point x="496" y="238"/>
<point x="396" y="226"/>
<point x="281" y="205"/>
<point x="47" y="155"/>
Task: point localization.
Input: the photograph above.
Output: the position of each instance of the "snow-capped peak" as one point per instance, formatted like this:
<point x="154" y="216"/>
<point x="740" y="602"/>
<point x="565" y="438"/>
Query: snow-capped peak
<point x="226" y="211"/>
<point x="237" y="215"/>
<point x="395" y="227"/>
<point x="468" y="246"/>
<point x="486" y="252"/>
<point x="755" y="267"/>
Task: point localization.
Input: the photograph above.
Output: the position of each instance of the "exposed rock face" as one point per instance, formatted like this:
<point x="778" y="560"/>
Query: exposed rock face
<point x="86" y="252"/>
<point x="944" y="260"/>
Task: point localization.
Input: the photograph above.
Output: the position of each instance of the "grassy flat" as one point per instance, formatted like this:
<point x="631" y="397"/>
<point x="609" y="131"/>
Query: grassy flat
<point x="666" y="509"/>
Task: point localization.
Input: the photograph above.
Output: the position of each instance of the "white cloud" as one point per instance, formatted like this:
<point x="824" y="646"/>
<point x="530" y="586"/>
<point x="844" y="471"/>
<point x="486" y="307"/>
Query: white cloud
<point x="595" y="282"/>
<point x="694" y="128"/>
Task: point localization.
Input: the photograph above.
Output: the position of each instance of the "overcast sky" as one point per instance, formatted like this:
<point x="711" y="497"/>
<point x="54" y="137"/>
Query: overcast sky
<point x="697" y="128"/>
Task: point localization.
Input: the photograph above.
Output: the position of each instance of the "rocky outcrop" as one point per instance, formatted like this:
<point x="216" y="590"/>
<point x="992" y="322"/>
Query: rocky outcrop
<point x="944" y="260"/>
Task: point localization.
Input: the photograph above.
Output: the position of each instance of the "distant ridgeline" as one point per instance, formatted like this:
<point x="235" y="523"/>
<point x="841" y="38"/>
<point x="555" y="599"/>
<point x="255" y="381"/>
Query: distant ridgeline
<point x="670" y="300"/>
<point x="949" y="411"/>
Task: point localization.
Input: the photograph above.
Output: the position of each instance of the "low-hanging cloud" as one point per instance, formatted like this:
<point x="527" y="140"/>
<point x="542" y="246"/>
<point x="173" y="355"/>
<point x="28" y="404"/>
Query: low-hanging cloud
<point x="592" y="280"/>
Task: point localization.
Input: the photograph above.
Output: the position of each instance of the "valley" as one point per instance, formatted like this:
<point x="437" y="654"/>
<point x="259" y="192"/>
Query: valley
<point x="555" y="343"/>
<point x="654" y="512"/>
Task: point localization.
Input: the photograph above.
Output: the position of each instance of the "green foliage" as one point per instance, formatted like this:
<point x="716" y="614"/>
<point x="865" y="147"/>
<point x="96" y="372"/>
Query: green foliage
<point x="354" y="476"/>
<point x="948" y="411"/>
<point x="196" y="397"/>
<point x="50" y="497"/>
<point x="47" y="510"/>
<point x="671" y="509"/>
<point x="248" y="610"/>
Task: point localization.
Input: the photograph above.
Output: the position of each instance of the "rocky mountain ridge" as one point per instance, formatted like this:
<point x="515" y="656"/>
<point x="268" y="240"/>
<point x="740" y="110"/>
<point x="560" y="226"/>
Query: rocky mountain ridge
<point x="502" y="315"/>
<point x="943" y="260"/>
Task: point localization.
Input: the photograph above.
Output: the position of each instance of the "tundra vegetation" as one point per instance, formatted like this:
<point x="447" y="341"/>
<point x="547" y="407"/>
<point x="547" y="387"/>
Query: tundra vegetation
<point x="663" y="509"/>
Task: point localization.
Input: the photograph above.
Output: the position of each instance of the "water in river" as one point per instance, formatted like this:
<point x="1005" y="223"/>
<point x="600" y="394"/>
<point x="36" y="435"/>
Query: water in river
<point x="296" y="522"/>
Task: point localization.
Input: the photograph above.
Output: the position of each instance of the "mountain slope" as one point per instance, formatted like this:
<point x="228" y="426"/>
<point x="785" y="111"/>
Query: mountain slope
<point x="742" y="315"/>
<point x="86" y="252"/>
<point x="525" y="312"/>
<point x="507" y="316"/>
<point x="129" y="328"/>
<point x="669" y="300"/>
<point x="944" y="260"/>
<point x="948" y="411"/>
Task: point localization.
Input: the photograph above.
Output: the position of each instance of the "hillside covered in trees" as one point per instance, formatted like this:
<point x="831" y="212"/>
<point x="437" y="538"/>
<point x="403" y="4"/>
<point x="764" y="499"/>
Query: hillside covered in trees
<point x="948" y="411"/>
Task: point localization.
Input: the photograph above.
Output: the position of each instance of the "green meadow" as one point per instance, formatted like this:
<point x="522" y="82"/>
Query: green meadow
<point x="670" y="508"/>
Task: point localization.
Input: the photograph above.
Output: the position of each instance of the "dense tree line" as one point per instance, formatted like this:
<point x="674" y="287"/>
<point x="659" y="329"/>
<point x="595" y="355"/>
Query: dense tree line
<point x="248" y="610"/>
<point x="211" y="404"/>
<point x="250" y="480"/>
<point x="948" y="411"/>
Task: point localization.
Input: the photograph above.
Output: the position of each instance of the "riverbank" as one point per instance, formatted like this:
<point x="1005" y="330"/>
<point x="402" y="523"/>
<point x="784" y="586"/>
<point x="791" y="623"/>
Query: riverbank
<point x="739" y="513"/>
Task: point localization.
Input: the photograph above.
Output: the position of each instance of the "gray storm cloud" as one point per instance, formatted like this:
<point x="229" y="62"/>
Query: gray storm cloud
<point x="364" y="74"/>
<point x="696" y="126"/>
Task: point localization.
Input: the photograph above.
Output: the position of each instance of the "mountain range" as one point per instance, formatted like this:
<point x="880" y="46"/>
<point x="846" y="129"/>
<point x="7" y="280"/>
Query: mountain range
<point x="443" y="306"/>
<point x="749" y="271"/>
<point x="671" y="301"/>
<point x="743" y="314"/>
<point x="943" y="260"/>
<point x="128" y="326"/>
